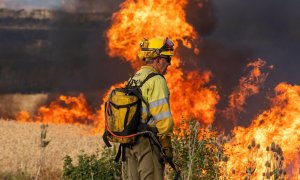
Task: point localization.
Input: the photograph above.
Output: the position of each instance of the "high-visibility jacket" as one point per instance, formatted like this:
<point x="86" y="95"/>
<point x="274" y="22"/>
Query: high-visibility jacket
<point x="155" y="91"/>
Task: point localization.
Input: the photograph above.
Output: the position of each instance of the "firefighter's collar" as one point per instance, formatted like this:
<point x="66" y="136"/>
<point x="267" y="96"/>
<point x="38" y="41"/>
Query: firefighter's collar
<point x="149" y="67"/>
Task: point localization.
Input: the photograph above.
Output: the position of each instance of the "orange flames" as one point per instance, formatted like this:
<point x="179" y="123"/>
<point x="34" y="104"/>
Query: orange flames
<point x="280" y="124"/>
<point x="190" y="95"/>
<point x="66" y="109"/>
<point x="163" y="18"/>
<point x="138" y="19"/>
<point x="277" y="127"/>
<point x="248" y="86"/>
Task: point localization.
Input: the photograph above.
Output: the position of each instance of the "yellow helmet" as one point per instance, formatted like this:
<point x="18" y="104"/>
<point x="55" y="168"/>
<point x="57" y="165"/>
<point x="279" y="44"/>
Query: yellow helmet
<point x="152" y="48"/>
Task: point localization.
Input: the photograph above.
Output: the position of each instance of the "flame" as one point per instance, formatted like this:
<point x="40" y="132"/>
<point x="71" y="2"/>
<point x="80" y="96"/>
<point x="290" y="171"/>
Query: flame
<point x="248" y="86"/>
<point x="191" y="95"/>
<point x="280" y="124"/>
<point x="138" y="19"/>
<point x="70" y="110"/>
<point x="66" y="109"/>
<point x="163" y="18"/>
<point x="23" y="116"/>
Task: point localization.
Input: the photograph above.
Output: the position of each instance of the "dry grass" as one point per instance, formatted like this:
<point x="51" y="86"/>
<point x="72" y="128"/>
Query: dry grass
<point x="20" y="151"/>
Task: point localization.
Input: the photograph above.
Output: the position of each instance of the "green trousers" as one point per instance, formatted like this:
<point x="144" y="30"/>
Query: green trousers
<point x="143" y="161"/>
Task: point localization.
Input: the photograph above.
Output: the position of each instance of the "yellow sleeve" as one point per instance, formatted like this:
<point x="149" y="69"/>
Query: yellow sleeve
<point x="158" y="98"/>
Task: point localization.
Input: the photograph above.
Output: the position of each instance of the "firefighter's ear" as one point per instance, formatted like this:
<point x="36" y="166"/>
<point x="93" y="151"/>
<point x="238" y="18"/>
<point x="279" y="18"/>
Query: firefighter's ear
<point x="155" y="61"/>
<point x="158" y="60"/>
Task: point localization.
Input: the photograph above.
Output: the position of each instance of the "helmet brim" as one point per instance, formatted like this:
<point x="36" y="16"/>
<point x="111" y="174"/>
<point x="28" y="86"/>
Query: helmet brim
<point x="167" y="53"/>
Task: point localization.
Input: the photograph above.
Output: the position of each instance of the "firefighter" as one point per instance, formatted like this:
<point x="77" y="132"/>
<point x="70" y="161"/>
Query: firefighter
<point x="143" y="159"/>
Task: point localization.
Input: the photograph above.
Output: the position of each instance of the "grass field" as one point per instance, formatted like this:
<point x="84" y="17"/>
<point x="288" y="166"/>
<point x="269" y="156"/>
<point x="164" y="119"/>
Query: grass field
<point x="20" y="149"/>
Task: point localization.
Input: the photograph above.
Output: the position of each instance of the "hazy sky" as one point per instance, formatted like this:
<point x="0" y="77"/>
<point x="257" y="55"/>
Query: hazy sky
<point x="30" y="3"/>
<point x="86" y="5"/>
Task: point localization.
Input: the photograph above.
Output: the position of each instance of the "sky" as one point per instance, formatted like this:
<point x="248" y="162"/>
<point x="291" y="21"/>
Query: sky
<point x="30" y="4"/>
<point x="89" y="5"/>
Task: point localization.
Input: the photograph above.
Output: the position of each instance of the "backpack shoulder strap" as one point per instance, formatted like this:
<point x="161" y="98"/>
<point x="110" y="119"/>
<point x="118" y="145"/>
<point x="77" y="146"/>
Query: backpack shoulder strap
<point x="148" y="77"/>
<point x="142" y="83"/>
<point x="130" y="81"/>
<point x="138" y="94"/>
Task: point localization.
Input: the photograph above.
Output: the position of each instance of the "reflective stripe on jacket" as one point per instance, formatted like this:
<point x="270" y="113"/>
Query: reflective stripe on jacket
<point x="155" y="91"/>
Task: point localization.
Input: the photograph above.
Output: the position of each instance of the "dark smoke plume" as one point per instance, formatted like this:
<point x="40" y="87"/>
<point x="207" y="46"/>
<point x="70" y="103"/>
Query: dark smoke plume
<point x="201" y="13"/>
<point x="238" y="31"/>
<point x="60" y="52"/>
<point x="55" y="52"/>
<point x="254" y="29"/>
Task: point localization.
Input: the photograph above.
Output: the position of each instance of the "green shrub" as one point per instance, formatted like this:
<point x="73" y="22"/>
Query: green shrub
<point x="197" y="152"/>
<point x="93" y="166"/>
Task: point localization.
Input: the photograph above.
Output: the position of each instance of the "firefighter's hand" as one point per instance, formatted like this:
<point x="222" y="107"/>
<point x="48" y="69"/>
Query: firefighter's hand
<point x="167" y="146"/>
<point x="169" y="153"/>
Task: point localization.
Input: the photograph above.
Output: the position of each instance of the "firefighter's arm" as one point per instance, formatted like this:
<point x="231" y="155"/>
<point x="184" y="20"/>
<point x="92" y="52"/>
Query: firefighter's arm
<point x="159" y="106"/>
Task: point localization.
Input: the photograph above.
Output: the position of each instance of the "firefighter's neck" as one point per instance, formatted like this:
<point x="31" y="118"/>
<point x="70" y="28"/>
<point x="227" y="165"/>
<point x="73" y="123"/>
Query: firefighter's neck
<point x="157" y="66"/>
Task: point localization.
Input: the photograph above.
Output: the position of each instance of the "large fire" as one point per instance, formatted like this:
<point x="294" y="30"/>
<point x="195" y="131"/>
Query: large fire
<point x="191" y="96"/>
<point x="137" y="19"/>
<point x="280" y="124"/>
<point x="65" y="109"/>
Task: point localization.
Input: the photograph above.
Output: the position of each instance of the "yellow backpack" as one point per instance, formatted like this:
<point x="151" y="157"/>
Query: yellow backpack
<point x="123" y="113"/>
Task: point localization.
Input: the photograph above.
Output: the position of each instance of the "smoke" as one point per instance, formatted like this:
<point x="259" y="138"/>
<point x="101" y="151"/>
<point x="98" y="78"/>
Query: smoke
<point x="67" y="54"/>
<point x="225" y="61"/>
<point x="269" y="28"/>
<point x="247" y="30"/>
<point x="64" y="53"/>
<point x="201" y="13"/>
<point x="249" y="85"/>
<point x="60" y="54"/>
<point x="10" y="104"/>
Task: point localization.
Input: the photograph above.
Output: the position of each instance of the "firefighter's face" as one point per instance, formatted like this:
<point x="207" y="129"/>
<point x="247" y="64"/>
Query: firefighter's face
<point x="163" y="64"/>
